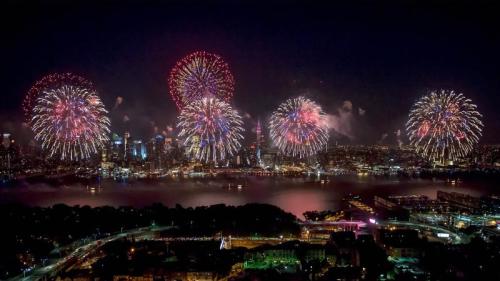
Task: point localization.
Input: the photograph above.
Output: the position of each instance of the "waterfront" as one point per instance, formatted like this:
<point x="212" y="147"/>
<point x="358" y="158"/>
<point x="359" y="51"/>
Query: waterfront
<point x="292" y="194"/>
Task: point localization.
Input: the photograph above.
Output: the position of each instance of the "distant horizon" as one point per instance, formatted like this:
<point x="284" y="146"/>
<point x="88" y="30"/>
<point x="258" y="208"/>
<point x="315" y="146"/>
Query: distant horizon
<point x="148" y="140"/>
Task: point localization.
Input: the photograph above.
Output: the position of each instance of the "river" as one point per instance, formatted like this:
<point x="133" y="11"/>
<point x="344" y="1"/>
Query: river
<point x="293" y="194"/>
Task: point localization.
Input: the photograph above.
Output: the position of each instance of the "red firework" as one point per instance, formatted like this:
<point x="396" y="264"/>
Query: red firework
<point x="199" y="75"/>
<point x="48" y="82"/>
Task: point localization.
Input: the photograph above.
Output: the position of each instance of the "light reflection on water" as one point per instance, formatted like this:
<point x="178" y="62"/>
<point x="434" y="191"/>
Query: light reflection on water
<point x="295" y="195"/>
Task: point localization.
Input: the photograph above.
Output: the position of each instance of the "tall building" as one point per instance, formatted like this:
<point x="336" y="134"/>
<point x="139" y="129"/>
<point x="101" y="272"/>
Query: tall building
<point x="156" y="149"/>
<point x="258" y="143"/>
<point x="138" y="149"/>
<point x="127" y="147"/>
<point x="7" y="154"/>
<point x="116" y="148"/>
<point x="6" y="140"/>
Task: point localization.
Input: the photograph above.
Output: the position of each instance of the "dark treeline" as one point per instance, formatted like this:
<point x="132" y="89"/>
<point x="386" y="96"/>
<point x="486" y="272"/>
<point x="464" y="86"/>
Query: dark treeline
<point x="157" y="257"/>
<point x="29" y="234"/>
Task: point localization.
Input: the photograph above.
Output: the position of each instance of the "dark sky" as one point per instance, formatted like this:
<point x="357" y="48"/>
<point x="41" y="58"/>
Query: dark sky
<point x="381" y="56"/>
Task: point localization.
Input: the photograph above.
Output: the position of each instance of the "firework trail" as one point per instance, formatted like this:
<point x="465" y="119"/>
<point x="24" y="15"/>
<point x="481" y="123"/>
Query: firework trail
<point x="211" y="129"/>
<point x="444" y="126"/>
<point x="299" y="127"/>
<point x="199" y="75"/>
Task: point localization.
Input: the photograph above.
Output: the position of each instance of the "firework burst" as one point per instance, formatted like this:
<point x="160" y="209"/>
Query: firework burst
<point x="47" y="83"/>
<point x="444" y="126"/>
<point x="211" y="129"/>
<point x="70" y="122"/>
<point x="299" y="127"/>
<point x="199" y="75"/>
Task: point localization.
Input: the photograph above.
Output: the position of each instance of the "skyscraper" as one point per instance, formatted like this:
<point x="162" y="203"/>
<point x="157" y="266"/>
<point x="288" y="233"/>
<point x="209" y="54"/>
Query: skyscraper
<point x="126" y="146"/>
<point x="6" y="155"/>
<point x="258" y="132"/>
<point x="6" y="140"/>
<point x="139" y="150"/>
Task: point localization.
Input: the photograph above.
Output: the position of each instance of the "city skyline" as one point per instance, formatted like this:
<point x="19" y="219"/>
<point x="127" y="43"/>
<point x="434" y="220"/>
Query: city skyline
<point x="157" y="140"/>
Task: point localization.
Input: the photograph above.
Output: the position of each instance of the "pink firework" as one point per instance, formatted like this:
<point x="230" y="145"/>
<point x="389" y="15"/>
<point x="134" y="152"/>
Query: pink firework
<point x="70" y="122"/>
<point x="299" y="127"/>
<point x="199" y="75"/>
<point x="47" y="83"/>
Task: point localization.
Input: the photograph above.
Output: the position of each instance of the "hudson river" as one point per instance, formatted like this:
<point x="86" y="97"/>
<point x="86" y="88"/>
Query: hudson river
<point x="293" y="194"/>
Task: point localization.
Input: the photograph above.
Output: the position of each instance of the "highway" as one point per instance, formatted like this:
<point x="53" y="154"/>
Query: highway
<point x="455" y="237"/>
<point x="80" y="253"/>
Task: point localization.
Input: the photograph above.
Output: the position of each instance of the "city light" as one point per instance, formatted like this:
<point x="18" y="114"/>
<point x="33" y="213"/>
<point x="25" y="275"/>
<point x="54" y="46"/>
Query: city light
<point x="152" y="140"/>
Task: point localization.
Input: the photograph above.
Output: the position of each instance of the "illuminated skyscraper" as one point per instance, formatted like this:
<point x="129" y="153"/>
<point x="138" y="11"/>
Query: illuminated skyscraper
<point x="6" y="140"/>
<point x="117" y="148"/>
<point x="258" y="132"/>
<point x="6" y="156"/>
<point x="126" y="146"/>
<point x="139" y="150"/>
<point x="156" y="150"/>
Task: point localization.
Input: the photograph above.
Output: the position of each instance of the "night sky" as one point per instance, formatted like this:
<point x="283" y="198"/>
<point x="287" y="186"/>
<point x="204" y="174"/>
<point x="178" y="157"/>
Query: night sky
<point x="380" y="57"/>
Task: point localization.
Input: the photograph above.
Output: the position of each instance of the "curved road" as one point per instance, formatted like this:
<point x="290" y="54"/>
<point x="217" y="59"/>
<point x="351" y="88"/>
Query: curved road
<point x="82" y="251"/>
<point x="456" y="237"/>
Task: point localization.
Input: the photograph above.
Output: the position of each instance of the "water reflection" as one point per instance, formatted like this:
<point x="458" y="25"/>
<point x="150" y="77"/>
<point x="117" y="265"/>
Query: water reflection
<point x="295" y="195"/>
